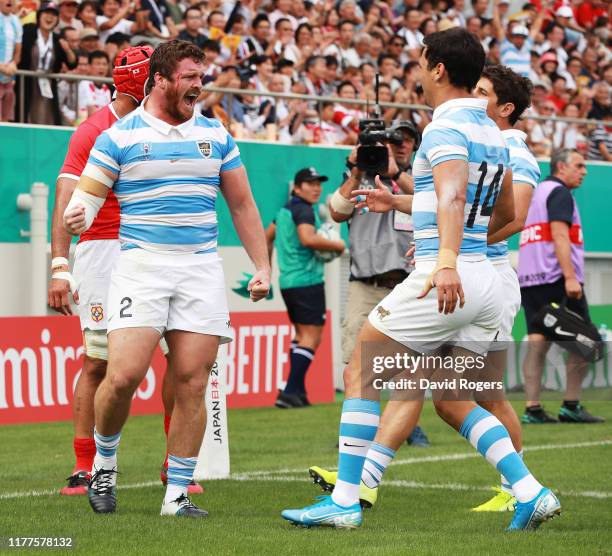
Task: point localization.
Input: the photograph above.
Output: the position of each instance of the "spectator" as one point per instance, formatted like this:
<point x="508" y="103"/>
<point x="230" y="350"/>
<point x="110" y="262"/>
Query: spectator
<point x="68" y="91"/>
<point x="347" y="116"/>
<point x="71" y="36"/>
<point x="89" y="40"/>
<point x="263" y="71"/>
<point x="570" y="135"/>
<point x="10" y="56"/>
<point x="93" y="95"/>
<point x="114" y="19"/>
<point x="44" y="51"/>
<point x="160" y="24"/>
<point x="517" y="43"/>
<point x="283" y="11"/>
<point x="325" y="131"/>
<point x="294" y="232"/>
<point x="68" y="15"/>
<point x="541" y="134"/>
<point x="559" y="95"/>
<point x="115" y="43"/>
<point x="600" y="143"/>
<point x="343" y="50"/>
<point x="397" y="49"/>
<point x="412" y="35"/>
<point x="258" y="43"/>
<point x="192" y="19"/>
<point x="314" y="75"/>
<point x="550" y="270"/>
<point x="87" y="13"/>
<point x="283" y="37"/>
<point x="555" y="36"/>
<point x="601" y="101"/>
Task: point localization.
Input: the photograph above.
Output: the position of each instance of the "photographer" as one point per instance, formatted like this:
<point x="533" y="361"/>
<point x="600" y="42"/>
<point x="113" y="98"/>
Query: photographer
<point x="378" y="241"/>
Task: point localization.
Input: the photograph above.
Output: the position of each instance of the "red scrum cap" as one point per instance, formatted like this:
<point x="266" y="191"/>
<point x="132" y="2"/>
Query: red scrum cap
<point x="131" y="71"/>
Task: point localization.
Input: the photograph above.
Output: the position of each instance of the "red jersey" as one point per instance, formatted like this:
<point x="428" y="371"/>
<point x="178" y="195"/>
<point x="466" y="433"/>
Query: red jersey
<point x="106" y="223"/>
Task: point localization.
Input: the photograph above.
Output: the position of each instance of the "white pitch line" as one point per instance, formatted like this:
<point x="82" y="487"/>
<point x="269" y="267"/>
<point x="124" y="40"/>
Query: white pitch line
<point x="435" y="459"/>
<point x="283" y="474"/>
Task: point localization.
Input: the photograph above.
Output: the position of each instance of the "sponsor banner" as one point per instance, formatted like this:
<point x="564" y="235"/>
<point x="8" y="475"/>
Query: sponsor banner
<point x="41" y="359"/>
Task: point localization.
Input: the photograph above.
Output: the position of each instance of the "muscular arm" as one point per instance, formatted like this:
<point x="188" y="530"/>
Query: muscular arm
<point x="59" y="288"/>
<point x="237" y="193"/>
<point x="522" y="199"/>
<point x="450" y="183"/>
<point x="503" y="211"/>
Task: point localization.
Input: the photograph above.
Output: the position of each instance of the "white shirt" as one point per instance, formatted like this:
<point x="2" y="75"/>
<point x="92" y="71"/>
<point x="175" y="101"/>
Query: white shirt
<point x="90" y="95"/>
<point x="122" y="26"/>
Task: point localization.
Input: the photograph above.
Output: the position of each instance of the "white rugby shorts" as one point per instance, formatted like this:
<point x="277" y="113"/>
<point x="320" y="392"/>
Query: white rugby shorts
<point x="512" y="303"/>
<point x="417" y="324"/>
<point x="93" y="263"/>
<point x="169" y="292"/>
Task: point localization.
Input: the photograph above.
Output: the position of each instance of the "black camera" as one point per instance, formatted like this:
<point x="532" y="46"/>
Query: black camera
<point x="372" y="154"/>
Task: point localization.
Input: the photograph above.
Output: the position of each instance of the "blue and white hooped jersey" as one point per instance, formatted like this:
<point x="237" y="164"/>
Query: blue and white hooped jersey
<point x="460" y="130"/>
<point x="525" y="169"/>
<point x="167" y="181"/>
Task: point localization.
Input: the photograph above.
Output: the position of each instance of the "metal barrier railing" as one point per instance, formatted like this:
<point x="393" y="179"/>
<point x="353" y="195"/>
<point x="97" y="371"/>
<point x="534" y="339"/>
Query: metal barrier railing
<point x="22" y="74"/>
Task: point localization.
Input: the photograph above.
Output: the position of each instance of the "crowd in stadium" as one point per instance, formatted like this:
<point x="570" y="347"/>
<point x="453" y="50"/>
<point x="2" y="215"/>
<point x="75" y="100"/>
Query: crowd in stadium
<point x="317" y="47"/>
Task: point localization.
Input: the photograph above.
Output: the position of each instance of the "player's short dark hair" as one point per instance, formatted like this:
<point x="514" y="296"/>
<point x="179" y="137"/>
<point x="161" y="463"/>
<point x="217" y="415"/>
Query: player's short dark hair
<point x="509" y="86"/>
<point x="461" y="53"/>
<point x="96" y="55"/>
<point x="167" y="55"/>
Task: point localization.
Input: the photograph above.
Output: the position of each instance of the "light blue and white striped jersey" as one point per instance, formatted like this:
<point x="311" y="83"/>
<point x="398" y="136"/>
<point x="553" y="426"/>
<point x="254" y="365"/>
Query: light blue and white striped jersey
<point x="525" y="169"/>
<point x="517" y="60"/>
<point x="460" y="130"/>
<point x="10" y="34"/>
<point x="167" y="181"/>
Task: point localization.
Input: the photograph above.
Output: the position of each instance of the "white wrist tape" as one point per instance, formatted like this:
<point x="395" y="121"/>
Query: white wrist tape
<point x="65" y="276"/>
<point x="340" y="204"/>
<point x="59" y="261"/>
<point x="91" y="203"/>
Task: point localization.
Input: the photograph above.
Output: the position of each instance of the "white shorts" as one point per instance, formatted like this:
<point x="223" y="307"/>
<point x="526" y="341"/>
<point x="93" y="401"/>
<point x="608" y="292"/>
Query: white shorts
<point x="93" y="264"/>
<point x="512" y="303"/>
<point x="417" y="324"/>
<point x="169" y="292"/>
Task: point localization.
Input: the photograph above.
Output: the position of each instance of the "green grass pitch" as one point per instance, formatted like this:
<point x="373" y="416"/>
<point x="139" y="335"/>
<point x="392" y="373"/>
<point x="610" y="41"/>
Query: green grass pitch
<point x="424" y="509"/>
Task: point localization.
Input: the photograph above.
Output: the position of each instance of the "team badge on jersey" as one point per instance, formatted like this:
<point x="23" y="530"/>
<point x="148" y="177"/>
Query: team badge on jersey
<point x="97" y="312"/>
<point x="205" y="148"/>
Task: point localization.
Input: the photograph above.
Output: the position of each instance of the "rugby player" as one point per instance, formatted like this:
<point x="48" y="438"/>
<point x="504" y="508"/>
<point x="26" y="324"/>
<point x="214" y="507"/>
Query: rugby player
<point x="508" y="95"/>
<point x="166" y="165"/>
<point x="96" y="252"/>
<point x="458" y="170"/>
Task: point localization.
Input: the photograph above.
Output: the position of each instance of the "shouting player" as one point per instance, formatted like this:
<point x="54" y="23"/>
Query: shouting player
<point x="508" y="95"/>
<point x="166" y="165"/>
<point x="95" y="255"/>
<point x="457" y="175"/>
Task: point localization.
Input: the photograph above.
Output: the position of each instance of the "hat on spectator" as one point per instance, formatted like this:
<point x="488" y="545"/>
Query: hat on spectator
<point x="549" y="57"/>
<point x="446" y="24"/>
<point x="408" y="126"/>
<point x="308" y="174"/>
<point x="540" y="83"/>
<point x="520" y="30"/>
<point x="88" y="33"/>
<point x="564" y="11"/>
<point x="504" y="1"/>
<point x="48" y="7"/>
